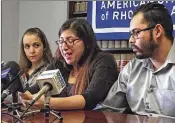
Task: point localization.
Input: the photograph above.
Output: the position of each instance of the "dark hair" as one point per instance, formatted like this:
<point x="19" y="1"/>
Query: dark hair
<point x="24" y="62"/>
<point x="155" y="13"/>
<point x="83" y="30"/>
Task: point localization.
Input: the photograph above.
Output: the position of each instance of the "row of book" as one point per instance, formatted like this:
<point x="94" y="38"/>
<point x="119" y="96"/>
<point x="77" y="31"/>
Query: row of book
<point x="114" y="44"/>
<point x="123" y="59"/>
<point x="80" y="6"/>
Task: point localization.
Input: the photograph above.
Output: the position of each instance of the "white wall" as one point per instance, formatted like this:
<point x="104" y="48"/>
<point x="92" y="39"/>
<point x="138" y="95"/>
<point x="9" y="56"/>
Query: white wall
<point x="18" y="16"/>
<point x="47" y="15"/>
<point x="10" y="30"/>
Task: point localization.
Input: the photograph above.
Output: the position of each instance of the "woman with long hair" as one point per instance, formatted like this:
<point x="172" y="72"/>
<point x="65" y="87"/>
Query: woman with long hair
<point x="35" y="53"/>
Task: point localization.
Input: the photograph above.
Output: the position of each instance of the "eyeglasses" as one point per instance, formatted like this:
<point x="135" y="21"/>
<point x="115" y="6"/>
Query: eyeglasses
<point x="135" y="32"/>
<point x="69" y="42"/>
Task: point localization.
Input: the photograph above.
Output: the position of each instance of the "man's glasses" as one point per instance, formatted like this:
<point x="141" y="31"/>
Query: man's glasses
<point x="69" y="42"/>
<point x="135" y="32"/>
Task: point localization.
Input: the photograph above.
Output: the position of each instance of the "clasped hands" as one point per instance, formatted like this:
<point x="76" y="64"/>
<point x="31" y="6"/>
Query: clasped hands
<point x="27" y="97"/>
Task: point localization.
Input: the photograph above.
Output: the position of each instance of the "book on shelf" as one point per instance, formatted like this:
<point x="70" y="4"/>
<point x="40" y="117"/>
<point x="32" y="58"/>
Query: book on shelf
<point x="80" y="6"/>
<point x="111" y="44"/>
<point x="123" y="59"/>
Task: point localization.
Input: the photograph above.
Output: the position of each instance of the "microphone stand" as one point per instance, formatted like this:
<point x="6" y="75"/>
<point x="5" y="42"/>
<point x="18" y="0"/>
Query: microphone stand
<point x="15" y="107"/>
<point x="46" y="110"/>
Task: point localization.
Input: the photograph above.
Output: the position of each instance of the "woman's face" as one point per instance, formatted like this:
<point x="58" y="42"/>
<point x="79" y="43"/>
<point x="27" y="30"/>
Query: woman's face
<point x="71" y="47"/>
<point x="33" y="48"/>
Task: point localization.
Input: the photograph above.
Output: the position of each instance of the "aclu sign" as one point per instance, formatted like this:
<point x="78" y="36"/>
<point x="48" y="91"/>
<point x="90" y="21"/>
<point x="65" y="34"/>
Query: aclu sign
<point x="111" y="19"/>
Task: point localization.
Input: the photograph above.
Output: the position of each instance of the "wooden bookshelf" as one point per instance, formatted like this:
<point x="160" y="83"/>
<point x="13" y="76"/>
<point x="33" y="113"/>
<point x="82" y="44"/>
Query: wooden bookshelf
<point x="117" y="50"/>
<point x="84" y="14"/>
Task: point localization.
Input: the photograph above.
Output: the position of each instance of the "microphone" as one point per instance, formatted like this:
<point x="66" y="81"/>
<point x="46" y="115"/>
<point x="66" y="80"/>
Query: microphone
<point x="50" y="82"/>
<point x="51" y="66"/>
<point x="9" y="71"/>
<point x="55" y="64"/>
<point x="19" y="83"/>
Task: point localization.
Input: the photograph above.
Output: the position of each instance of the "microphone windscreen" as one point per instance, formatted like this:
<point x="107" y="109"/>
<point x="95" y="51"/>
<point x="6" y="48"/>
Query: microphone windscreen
<point x="8" y="73"/>
<point x="14" y="67"/>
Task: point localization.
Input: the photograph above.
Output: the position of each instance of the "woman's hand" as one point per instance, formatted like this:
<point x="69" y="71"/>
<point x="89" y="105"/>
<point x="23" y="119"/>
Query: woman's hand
<point x="27" y="97"/>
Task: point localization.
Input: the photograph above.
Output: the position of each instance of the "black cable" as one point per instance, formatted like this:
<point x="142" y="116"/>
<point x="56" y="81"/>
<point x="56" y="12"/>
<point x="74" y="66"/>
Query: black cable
<point x="4" y="113"/>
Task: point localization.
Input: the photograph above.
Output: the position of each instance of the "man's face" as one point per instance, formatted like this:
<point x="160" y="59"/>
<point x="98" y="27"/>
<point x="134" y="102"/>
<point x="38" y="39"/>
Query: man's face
<point x="142" y="40"/>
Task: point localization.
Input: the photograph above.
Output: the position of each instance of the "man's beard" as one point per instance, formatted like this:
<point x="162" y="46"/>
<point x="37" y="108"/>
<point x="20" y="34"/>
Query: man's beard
<point x="147" y="48"/>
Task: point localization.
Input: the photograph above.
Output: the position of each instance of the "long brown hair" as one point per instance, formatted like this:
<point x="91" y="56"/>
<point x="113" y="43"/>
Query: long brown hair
<point x="82" y="29"/>
<point x="24" y="62"/>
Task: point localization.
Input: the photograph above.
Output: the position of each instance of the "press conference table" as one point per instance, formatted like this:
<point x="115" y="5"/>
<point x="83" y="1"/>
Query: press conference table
<point x="79" y="116"/>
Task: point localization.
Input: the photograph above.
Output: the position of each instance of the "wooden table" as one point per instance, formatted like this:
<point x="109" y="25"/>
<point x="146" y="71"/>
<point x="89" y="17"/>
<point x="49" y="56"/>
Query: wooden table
<point x="79" y="116"/>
